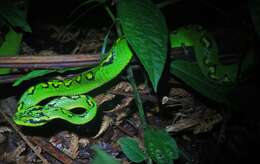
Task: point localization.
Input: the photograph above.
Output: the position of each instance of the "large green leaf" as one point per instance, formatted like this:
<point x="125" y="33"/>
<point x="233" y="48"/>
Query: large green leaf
<point x="146" y="31"/>
<point x="160" y="146"/>
<point x="102" y="157"/>
<point x="131" y="149"/>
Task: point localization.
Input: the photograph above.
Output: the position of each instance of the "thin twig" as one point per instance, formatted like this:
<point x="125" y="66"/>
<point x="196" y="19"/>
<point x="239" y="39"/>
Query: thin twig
<point x="54" y="61"/>
<point x="9" y="78"/>
<point x="166" y="3"/>
<point x="64" y="61"/>
<point x="52" y="150"/>
<point x="73" y="60"/>
<point x="124" y="130"/>
<point x="24" y="138"/>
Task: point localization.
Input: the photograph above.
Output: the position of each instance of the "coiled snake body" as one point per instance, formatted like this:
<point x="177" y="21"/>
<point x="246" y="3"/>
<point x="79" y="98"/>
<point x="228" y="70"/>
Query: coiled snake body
<point x="30" y="113"/>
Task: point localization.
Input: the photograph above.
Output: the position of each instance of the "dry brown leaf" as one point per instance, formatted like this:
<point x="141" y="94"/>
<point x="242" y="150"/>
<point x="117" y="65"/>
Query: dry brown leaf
<point x="107" y="121"/>
<point x="122" y="87"/>
<point x="67" y="142"/>
<point x="101" y="98"/>
<point x="179" y="92"/>
<point x="84" y="142"/>
<point x="4" y="129"/>
<point x="123" y="104"/>
<point x="11" y="157"/>
<point x="73" y="150"/>
<point x="199" y="122"/>
<point x="208" y="123"/>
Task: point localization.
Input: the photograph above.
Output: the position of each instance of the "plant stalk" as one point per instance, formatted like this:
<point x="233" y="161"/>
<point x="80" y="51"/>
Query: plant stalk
<point x="114" y="20"/>
<point x="137" y="97"/>
<point x="130" y="76"/>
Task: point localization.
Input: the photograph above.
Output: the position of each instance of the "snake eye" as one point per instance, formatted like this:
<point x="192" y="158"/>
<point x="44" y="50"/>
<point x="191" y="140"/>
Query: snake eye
<point x="78" y="111"/>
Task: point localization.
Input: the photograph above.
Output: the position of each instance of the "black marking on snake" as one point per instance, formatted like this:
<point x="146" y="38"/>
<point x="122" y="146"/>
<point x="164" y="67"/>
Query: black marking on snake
<point x="36" y="108"/>
<point x="31" y="90"/>
<point x="90" y="103"/>
<point x="109" y="59"/>
<point x="67" y="114"/>
<point x="78" y="79"/>
<point x="67" y="83"/>
<point x="206" y="42"/>
<point x="44" y="85"/>
<point x="55" y="84"/>
<point x="20" y="106"/>
<point x="38" y="115"/>
<point x="32" y="121"/>
<point x="90" y="75"/>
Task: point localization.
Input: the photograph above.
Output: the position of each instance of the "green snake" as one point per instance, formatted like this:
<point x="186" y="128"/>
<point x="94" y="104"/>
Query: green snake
<point x="29" y="113"/>
<point x="206" y="53"/>
<point x="68" y="93"/>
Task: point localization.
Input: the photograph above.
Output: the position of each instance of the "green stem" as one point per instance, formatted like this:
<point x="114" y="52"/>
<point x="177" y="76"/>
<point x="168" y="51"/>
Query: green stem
<point x="131" y="79"/>
<point x="137" y="97"/>
<point x="114" y="20"/>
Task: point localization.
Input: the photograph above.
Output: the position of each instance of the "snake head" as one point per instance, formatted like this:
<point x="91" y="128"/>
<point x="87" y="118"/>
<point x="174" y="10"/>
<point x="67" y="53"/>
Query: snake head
<point x="33" y="116"/>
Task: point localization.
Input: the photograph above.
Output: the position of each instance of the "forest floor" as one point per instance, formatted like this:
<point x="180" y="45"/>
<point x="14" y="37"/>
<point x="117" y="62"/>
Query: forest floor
<point x="206" y="132"/>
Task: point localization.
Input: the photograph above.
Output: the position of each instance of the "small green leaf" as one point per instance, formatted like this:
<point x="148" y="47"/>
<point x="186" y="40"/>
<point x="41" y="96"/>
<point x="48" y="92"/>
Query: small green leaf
<point x="102" y="157"/>
<point x="38" y="73"/>
<point x="32" y="75"/>
<point x="146" y="31"/>
<point x="14" y="16"/>
<point x="10" y="47"/>
<point x="161" y="147"/>
<point x="131" y="149"/>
